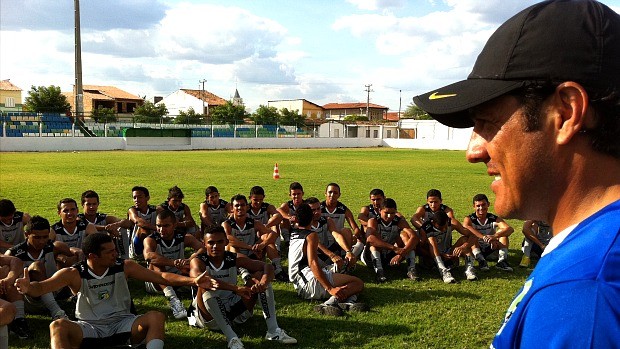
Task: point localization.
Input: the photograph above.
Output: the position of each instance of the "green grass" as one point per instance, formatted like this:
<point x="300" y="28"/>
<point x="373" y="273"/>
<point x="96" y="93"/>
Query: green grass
<point x="426" y="314"/>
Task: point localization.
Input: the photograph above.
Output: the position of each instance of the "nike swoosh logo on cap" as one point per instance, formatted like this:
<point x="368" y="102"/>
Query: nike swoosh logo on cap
<point x="436" y="95"/>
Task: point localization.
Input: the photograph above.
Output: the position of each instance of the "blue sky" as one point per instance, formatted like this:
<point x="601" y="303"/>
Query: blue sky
<point x="323" y="51"/>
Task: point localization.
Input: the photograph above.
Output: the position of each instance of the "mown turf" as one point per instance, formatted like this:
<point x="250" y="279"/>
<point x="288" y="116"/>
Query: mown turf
<point x="426" y="314"/>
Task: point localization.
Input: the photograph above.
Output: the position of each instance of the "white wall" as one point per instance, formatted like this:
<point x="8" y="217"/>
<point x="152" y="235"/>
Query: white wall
<point x="181" y="101"/>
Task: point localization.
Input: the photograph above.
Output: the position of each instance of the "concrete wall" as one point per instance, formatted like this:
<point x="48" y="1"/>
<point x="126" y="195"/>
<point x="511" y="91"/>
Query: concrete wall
<point x="16" y="144"/>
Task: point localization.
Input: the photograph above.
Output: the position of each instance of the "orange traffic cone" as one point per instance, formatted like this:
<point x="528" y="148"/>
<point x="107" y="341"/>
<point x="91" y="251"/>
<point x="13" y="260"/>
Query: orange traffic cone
<point x="276" y="172"/>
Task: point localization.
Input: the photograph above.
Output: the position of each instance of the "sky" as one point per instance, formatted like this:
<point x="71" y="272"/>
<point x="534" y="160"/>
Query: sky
<point x="324" y="51"/>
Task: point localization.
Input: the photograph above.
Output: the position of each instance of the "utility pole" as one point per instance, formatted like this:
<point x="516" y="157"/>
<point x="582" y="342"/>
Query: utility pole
<point x="368" y="90"/>
<point x="400" y="103"/>
<point x="202" y="96"/>
<point x="79" y="91"/>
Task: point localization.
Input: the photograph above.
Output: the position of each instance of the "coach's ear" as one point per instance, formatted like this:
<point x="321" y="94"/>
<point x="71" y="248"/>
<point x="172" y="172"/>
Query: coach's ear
<point x="570" y="103"/>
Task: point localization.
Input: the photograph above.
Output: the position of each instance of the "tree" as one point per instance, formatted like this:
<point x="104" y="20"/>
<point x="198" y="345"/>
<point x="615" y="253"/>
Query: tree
<point x="265" y="115"/>
<point x="104" y="115"/>
<point x="290" y="117"/>
<point x="47" y="100"/>
<point x="414" y="112"/>
<point x="149" y="112"/>
<point x="227" y="113"/>
<point x="355" y="117"/>
<point x="189" y="117"/>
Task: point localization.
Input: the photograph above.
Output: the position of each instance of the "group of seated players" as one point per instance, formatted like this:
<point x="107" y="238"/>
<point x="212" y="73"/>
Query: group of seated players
<point x="88" y="256"/>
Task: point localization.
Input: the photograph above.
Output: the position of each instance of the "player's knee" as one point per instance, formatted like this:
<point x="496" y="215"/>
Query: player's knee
<point x="58" y="326"/>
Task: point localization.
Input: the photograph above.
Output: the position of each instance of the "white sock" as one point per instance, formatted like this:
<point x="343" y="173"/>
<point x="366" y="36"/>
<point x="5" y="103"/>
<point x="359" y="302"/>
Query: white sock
<point x="527" y="247"/>
<point x="376" y="260"/>
<point x="155" y="344"/>
<point x="469" y="260"/>
<point x="357" y="249"/>
<point x="19" y="306"/>
<point x="215" y="308"/>
<point x="440" y="264"/>
<point x="268" y="303"/>
<point x="50" y="303"/>
<point x="4" y="337"/>
<point x="503" y="254"/>
<point x="169" y="292"/>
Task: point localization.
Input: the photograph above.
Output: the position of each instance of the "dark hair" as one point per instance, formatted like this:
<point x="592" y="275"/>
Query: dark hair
<point x="211" y="189"/>
<point x="440" y="217"/>
<point x="332" y="185"/>
<point x="216" y="229"/>
<point x="295" y="185"/>
<point x="7" y="207"/>
<point x="93" y="243"/>
<point x="376" y="192"/>
<point x="167" y="214"/>
<point x="312" y="200"/>
<point x="239" y="197"/>
<point x="89" y="194"/>
<point x="257" y="190"/>
<point x="39" y="223"/>
<point x="304" y="215"/>
<point x="66" y="201"/>
<point x="434" y="192"/>
<point x="175" y="192"/>
<point x="389" y="203"/>
<point x="480" y="197"/>
<point x="142" y="189"/>
<point x="604" y="137"/>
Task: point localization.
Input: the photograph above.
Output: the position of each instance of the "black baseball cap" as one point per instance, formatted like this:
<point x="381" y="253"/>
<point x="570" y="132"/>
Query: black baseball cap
<point x="555" y="41"/>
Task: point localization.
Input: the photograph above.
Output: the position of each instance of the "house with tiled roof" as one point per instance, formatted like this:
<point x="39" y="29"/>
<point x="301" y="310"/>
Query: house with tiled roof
<point x="184" y="99"/>
<point x="10" y="96"/>
<point x="304" y="107"/>
<point x="339" y="111"/>
<point x="95" y="97"/>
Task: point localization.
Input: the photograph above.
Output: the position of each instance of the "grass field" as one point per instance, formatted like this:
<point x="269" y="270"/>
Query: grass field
<point x="425" y="314"/>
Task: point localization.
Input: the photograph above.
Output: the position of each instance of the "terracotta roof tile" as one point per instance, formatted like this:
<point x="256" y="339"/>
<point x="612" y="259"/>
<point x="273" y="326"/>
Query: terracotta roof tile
<point x="109" y="91"/>
<point x="206" y="96"/>
<point x="6" y="85"/>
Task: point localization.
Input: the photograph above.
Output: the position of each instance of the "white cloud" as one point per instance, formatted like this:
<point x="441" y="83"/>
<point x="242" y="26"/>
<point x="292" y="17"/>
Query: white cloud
<point x="376" y="4"/>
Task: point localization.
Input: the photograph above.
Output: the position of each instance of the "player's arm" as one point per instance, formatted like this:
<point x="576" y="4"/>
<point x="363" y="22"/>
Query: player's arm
<point x="190" y="241"/>
<point x="232" y="240"/>
<point x="60" y="248"/>
<point x="417" y="218"/>
<point x="150" y="254"/>
<point x="188" y="220"/>
<point x="5" y="245"/>
<point x="375" y="240"/>
<point x="139" y="221"/>
<point x="64" y="277"/>
<point x="340" y="239"/>
<point x="275" y="218"/>
<point x="15" y="266"/>
<point x="503" y="229"/>
<point x="529" y="231"/>
<point x="348" y="215"/>
<point x="253" y="266"/>
<point x="284" y="211"/>
<point x="413" y="239"/>
<point x="138" y="272"/>
<point x="268" y="236"/>
<point x="205" y="217"/>
<point x="468" y="224"/>
<point x="363" y="216"/>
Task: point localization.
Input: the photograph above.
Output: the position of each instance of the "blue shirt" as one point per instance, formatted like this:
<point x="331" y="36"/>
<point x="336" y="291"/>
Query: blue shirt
<point x="572" y="298"/>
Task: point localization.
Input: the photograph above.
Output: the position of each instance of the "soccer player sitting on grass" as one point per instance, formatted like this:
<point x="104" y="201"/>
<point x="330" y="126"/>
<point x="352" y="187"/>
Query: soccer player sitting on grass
<point x="218" y="309"/>
<point x="492" y="233"/>
<point x="174" y="203"/>
<point x="142" y="215"/>
<point x="213" y="211"/>
<point x="164" y="250"/>
<point x="39" y="254"/>
<point x="313" y="282"/>
<point x="104" y="222"/>
<point x="437" y="231"/>
<point x="267" y="214"/>
<point x="11" y="301"/>
<point x="340" y="213"/>
<point x="537" y="235"/>
<point x="434" y="203"/>
<point x="246" y="236"/>
<point x="377" y="196"/>
<point x="331" y="242"/>
<point x="71" y="231"/>
<point x="12" y="223"/>
<point x="287" y="210"/>
<point x="103" y="299"/>
<point x="390" y="240"/>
